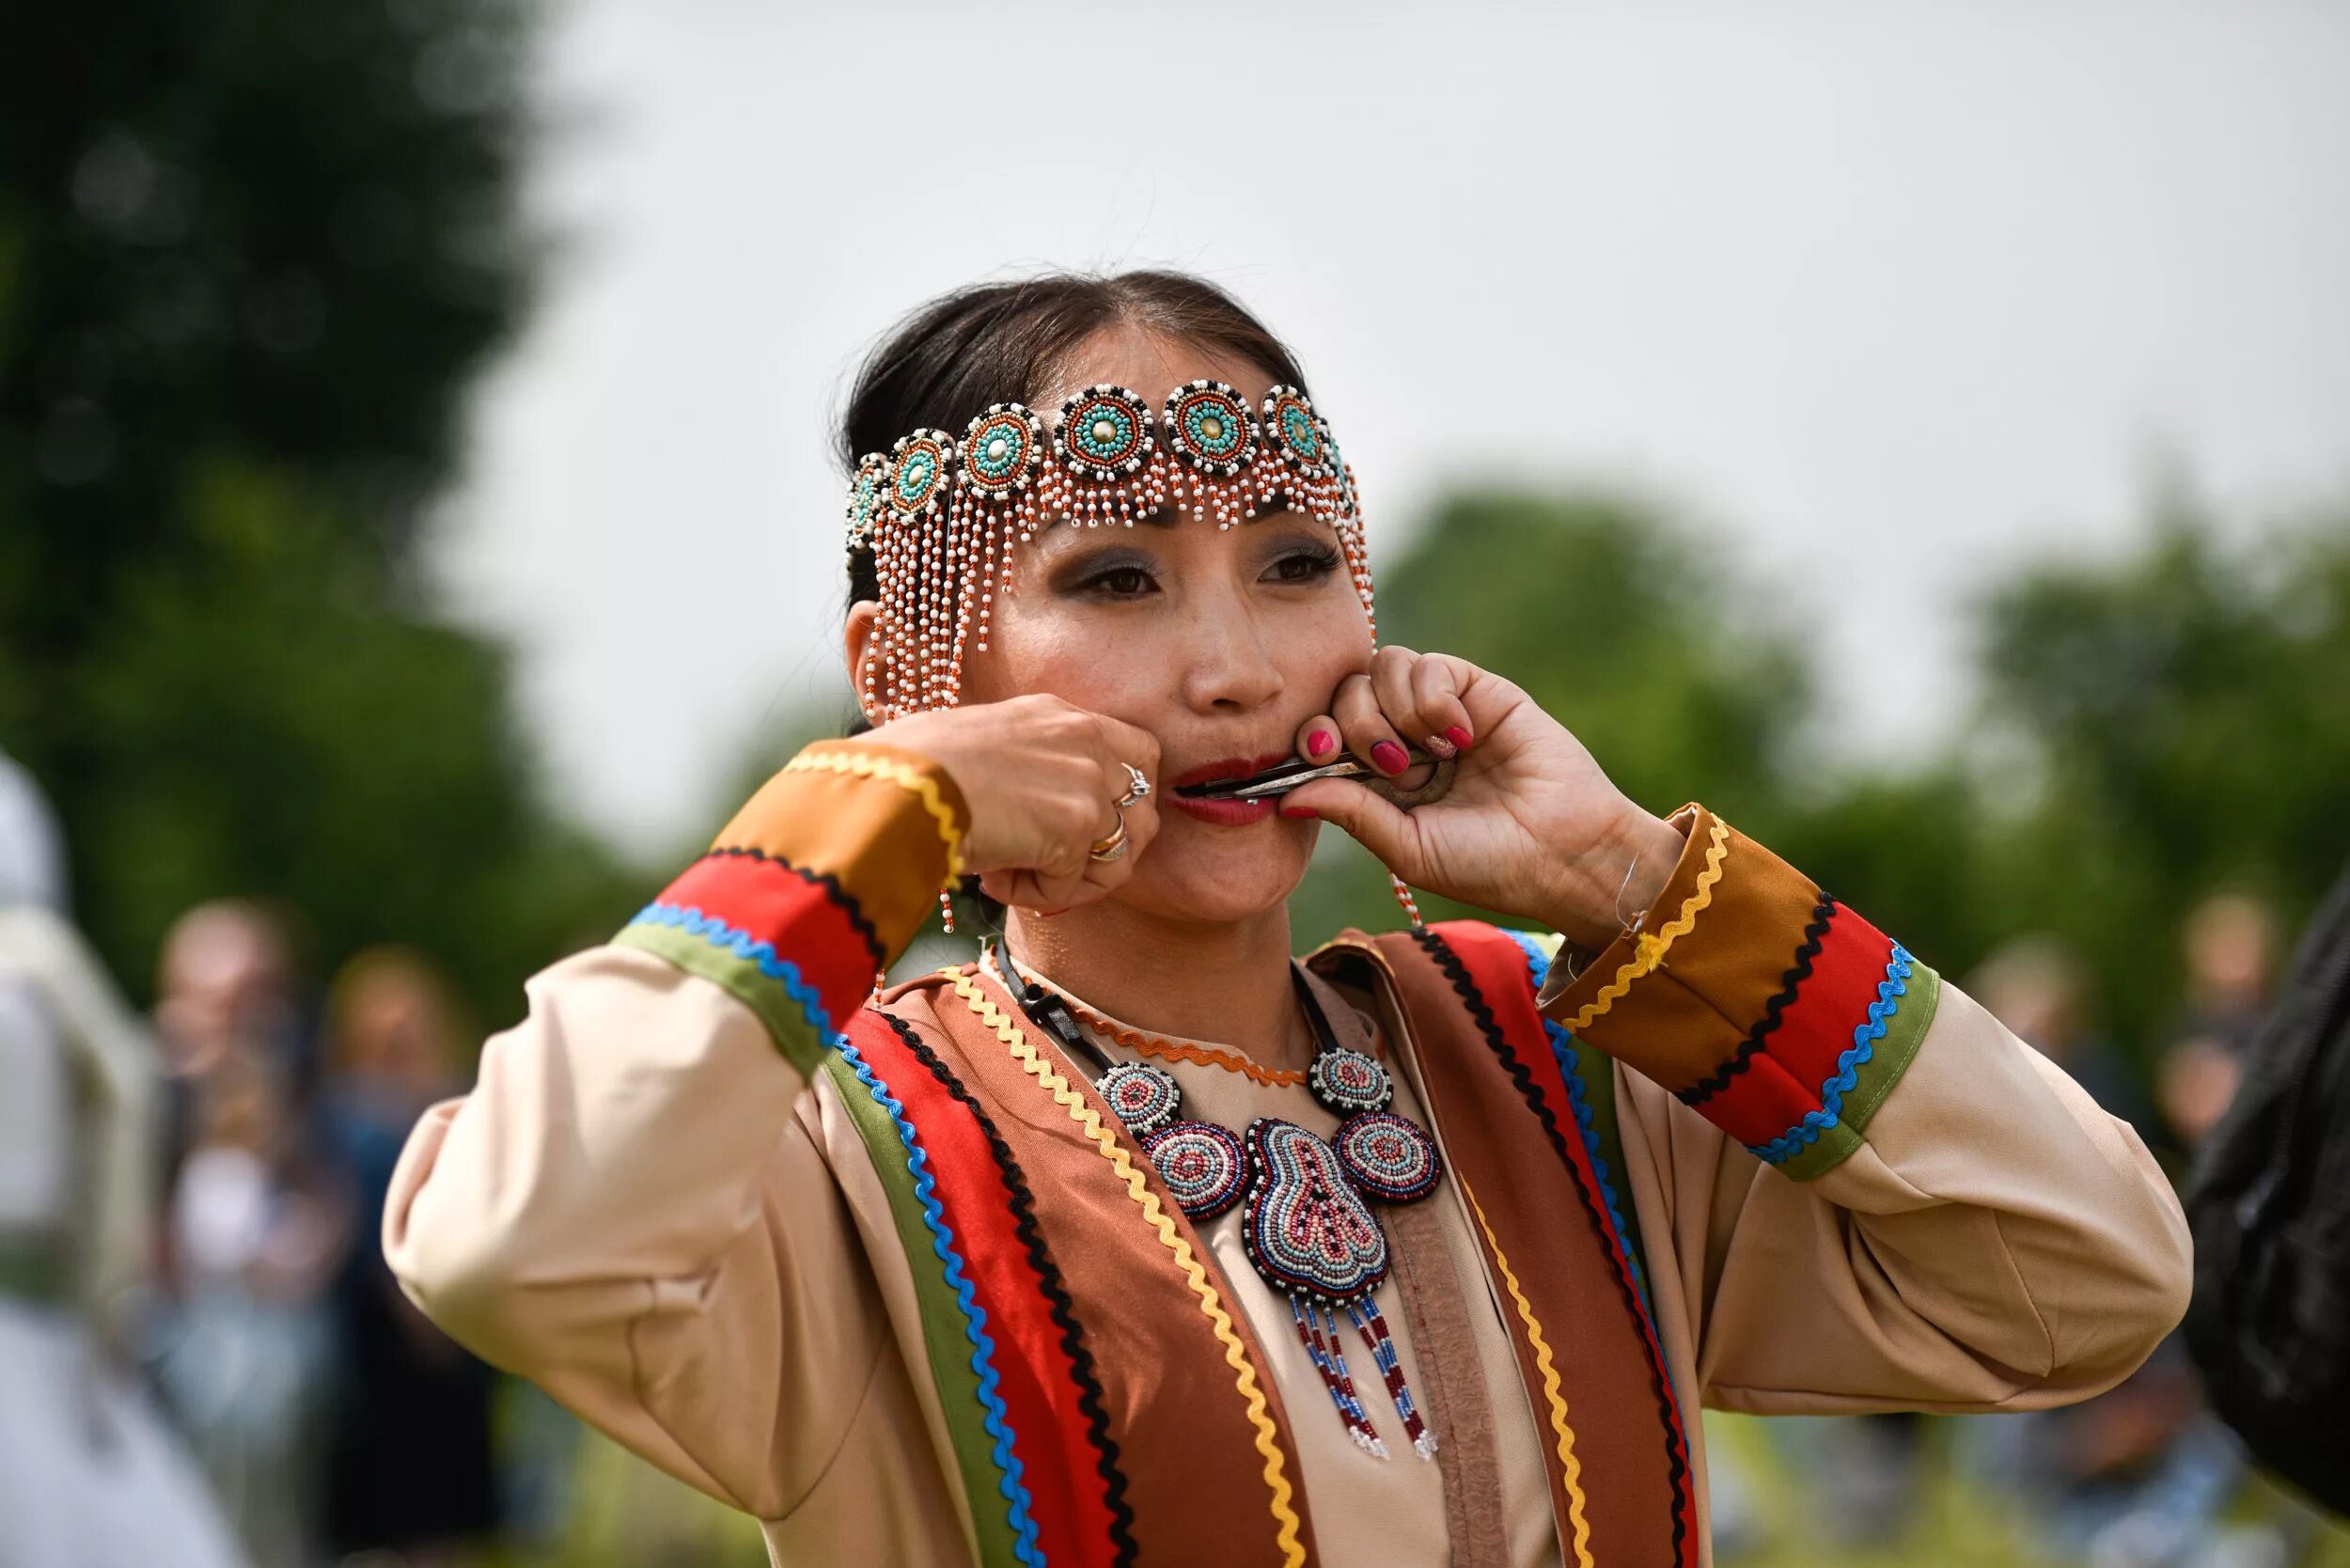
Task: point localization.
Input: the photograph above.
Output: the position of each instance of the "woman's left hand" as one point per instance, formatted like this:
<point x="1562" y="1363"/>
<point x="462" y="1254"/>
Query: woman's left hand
<point x="1530" y="826"/>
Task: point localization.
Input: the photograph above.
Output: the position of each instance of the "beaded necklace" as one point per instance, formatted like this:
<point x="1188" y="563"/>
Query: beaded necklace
<point x="1306" y="1223"/>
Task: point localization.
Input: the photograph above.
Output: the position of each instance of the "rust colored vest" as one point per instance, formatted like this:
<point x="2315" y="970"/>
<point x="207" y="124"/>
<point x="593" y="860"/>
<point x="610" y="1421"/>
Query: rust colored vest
<point x="1135" y="1414"/>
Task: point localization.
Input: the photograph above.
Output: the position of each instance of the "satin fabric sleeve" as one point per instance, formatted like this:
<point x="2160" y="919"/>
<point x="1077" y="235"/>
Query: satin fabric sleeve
<point x="638" y="1206"/>
<point x="1856" y="1189"/>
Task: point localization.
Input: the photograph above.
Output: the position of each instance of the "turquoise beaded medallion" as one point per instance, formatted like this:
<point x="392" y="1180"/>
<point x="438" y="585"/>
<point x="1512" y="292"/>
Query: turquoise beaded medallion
<point x="1292" y="429"/>
<point x="865" y="494"/>
<point x="918" y="471"/>
<point x="1002" y="451"/>
<point x="1104" y="433"/>
<point x="1209" y="426"/>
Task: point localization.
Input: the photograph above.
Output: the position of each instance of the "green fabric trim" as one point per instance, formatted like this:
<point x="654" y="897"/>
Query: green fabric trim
<point x="943" y="1334"/>
<point x="1874" y="1078"/>
<point x="1598" y="1072"/>
<point x="787" y="1021"/>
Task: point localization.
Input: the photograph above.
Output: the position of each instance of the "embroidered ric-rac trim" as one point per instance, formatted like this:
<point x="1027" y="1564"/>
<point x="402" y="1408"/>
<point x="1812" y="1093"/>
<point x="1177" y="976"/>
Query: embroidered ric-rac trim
<point x="1649" y="949"/>
<point x="1061" y="1309"/>
<point x="864" y="764"/>
<point x="1285" y="1517"/>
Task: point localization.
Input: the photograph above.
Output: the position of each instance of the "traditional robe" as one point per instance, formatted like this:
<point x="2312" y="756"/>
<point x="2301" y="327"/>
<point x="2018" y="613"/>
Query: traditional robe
<point x="888" y="1275"/>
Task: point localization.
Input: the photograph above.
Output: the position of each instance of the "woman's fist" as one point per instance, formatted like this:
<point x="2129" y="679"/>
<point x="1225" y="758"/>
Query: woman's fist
<point x="1042" y="778"/>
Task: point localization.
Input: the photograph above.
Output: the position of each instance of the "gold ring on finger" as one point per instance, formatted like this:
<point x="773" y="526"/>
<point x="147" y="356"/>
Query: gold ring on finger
<point x="1114" y="846"/>
<point x="1141" y="790"/>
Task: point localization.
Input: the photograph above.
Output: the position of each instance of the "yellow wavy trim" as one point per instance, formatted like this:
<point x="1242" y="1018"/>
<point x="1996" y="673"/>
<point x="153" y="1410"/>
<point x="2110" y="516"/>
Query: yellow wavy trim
<point x="890" y="771"/>
<point x="1557" y="1402"/>
<point x="1235" y="1354"/>
<point x="1648" y="948"/>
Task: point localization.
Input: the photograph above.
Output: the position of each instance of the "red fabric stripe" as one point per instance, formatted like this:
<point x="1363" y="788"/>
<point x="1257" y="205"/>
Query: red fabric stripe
<point x="1498" y="965"/>
<point x="1781" y="1085"/>
<point x="775" y="904"/>
<point x="1035" y="1380"/>
<point x="1760" y="1103"/>
<point x="1817" y="1027"/>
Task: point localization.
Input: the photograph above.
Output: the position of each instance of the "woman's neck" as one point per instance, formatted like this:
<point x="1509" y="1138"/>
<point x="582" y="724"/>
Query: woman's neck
<point x="1226" y="984"/>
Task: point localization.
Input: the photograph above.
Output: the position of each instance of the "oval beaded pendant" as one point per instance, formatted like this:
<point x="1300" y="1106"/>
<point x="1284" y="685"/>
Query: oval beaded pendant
<point x="1306" y="1228"/>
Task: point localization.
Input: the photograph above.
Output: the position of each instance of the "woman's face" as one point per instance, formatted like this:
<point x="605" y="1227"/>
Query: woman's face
<point x="1220" y="642"/>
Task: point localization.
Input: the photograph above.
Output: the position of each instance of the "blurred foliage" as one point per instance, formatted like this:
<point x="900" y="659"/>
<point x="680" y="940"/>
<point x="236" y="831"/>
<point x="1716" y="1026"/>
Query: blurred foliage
<point x="250" y="258"/>
<point x="2151" y="727"/>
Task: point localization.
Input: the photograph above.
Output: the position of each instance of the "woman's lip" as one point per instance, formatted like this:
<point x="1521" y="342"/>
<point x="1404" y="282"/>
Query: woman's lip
<point x="1227" y="767"/>
<point x="1225" y="813"/>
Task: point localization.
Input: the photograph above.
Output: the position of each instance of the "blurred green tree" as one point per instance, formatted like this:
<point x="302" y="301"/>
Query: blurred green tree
<point x="2164" y="726"/>
<point x="250" y="258"/>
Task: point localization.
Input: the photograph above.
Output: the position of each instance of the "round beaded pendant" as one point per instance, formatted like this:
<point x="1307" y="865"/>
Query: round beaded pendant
<point x="1292" y="429"/>
<point x="1349" y="1082"/>
<point x="1388" y="1157"/>
<point x="1002" y="451"/>
<point x="1104" y="433"/>
<point x="1209" y="426"/>
<point x="920" y="466"/>
<point x="1145" y="1098"/>
<point x="1202" y="1165"/>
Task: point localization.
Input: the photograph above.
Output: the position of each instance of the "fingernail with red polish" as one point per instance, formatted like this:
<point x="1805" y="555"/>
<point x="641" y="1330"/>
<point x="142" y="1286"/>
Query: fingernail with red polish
<point x="1318" y="745"/>
<point x="1391" y="758"/>
<point x="1305" y="813"/>
<point x="1458" y="736"/>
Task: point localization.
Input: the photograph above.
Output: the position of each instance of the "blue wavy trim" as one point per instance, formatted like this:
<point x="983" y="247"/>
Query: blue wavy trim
<point x="780" y="969"/>
<point x="1865" y="1035"/>
<point x="743" y="945"/>
<point x="1562" y="1051"/>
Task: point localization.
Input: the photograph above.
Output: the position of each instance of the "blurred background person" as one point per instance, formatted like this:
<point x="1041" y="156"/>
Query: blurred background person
<point x="259" y="1224"/>
<point x="410" y="1466"/>
<point x="2230" y="948"/>
<point x="90" y="1477"/>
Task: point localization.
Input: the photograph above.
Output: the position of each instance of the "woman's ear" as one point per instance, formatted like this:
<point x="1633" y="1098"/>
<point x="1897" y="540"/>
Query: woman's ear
<point x="856" y="637"/>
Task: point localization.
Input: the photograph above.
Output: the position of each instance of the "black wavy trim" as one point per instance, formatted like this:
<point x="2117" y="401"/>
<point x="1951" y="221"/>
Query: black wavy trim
<point x="1063" y="1310"/>
<point x="1676" y="1452"/>
<point x="1791" y="983"/>
<point x="831" y="885"/>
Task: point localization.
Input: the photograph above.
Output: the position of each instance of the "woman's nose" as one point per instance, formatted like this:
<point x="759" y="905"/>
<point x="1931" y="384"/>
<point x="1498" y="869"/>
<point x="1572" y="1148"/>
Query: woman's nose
<point x="1230" y="662"/>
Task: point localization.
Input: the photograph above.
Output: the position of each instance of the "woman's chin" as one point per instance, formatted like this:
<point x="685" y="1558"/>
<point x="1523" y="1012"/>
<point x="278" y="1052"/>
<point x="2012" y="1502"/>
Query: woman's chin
<point x="1223" y="881"/>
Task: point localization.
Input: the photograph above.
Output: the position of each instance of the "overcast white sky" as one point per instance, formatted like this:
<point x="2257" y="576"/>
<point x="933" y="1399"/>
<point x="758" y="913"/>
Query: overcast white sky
<point x="1888" y="293"/>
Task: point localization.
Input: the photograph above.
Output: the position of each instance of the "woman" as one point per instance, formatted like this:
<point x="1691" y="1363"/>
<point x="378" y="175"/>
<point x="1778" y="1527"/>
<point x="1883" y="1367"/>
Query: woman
<point x="89" y="1474"/>
<point x="1138" y="1240"/>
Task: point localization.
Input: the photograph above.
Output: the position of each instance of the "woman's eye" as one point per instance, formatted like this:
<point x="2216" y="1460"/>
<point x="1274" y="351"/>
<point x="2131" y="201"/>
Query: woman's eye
<point x="1121" y="582"/>
<point x="1305" y="566"/>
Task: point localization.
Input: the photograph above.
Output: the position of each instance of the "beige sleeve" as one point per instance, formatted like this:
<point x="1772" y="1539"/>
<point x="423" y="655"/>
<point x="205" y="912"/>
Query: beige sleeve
<point x="1997" y="1242"/>
<point x="631" y="1210"/>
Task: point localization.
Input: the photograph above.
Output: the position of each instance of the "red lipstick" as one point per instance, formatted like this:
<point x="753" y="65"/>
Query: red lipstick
<point x="1225" y="813"/>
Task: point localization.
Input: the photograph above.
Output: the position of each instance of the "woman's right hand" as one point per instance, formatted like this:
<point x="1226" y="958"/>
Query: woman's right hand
<point x="1040" y="779"/>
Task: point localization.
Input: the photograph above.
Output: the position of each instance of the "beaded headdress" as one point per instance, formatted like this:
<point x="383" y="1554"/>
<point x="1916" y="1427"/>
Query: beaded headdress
<point x="942" y="515"/>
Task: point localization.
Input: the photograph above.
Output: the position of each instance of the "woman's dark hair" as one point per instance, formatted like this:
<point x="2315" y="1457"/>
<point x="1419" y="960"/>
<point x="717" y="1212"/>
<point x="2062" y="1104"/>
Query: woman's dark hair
<point x="1005" y="343"/>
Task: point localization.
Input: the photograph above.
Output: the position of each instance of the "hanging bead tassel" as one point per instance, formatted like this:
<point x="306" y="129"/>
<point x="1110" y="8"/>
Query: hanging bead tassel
<point x="1332" y="1369"/>
<point x="1403" y="897"/>
<point x="1373" y="1328"/>
<point x="1346" y="1380"/>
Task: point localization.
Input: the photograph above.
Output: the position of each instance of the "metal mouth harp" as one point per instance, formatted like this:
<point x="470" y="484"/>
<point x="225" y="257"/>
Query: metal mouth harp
<point x="1289" y="776"/>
